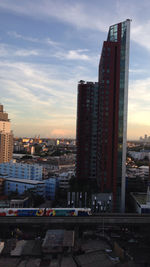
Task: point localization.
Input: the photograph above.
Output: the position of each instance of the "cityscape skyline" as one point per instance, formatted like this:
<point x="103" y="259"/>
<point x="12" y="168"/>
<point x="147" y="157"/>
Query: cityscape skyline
<point x="45" y="51"/>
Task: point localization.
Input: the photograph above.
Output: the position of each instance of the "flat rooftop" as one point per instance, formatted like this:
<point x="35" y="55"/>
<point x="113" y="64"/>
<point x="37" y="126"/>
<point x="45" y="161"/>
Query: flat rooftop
<point x="25" y="181"/>
<point x="55" y="238"/>
<point x="141" y="198"/>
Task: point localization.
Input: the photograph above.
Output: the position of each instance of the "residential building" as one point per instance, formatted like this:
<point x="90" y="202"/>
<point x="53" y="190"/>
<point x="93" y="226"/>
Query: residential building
<point x="141" y="202"/>
<point x="140" y="155"/>
<point x="21" y="177"/>
<point x="22" y="202"/>
<point x="144" y="172"/>
<point x="21" y="185"/>
<point x="6" y="137"/>
<point x="46" y="188"/>
<point x="113" y="100"/>
<point x="87" y="127"/>
<point x="64" y="179"/>
<point x="102" y="118"/>
<point x="51" y="186"/>
<point x="21" y="171"/>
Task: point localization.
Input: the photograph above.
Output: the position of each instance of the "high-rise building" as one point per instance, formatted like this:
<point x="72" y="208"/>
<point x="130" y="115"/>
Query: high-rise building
<point x="110" y="120"/>
<point x="113" y="100"/>
<point x="87" y="127"/>
<point x="6" y="137"/>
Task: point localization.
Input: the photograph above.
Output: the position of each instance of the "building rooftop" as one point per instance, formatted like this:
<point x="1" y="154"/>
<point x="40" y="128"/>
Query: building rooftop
<point x="141" y="198"/>
<point x="94" y="259"/>
<point x="24" y="181"/>
<point x="58" y="238"/>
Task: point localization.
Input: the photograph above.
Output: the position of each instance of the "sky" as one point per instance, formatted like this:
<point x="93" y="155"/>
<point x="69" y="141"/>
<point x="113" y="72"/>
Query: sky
<point x="47" y="46"/>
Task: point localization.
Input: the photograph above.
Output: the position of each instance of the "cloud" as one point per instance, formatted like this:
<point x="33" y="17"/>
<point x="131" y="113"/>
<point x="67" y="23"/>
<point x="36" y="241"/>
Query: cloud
<point x="141" y="34"/>
<point x="60" y="53"/>
<point x="4" y="50"/>
<point x="26" y="53"/>
<point x="50" y="42"/>
<point x="85" y="15"/>
<point x="19" y="36"/>
<point x="74" y="13"/>
<point x="72" y="55"/>
<point x="46" y="41"/>
<point x="47" y="92"/>
<point x="138" y="71"/>
<point x="38" y="95"/>
<point x="77" y="55"/>
<point x="9" y="51"/>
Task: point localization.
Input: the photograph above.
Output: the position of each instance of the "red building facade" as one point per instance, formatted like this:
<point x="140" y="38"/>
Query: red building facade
<point x="109" y="120"/>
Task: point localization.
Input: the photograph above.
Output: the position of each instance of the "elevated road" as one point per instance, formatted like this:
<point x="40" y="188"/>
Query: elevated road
<point x="110" y="219"/>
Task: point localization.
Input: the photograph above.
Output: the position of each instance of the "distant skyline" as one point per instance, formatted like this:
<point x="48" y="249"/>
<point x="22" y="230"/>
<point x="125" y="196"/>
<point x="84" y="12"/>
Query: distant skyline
<point x="47" y="46"/>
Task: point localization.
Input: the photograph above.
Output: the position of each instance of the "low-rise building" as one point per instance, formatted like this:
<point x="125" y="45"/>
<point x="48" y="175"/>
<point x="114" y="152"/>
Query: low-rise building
<point x="51" y="186"/>
<point x="141" y="202"/>
<point x="21" y="185"/>
<point x="144" y="172"/>
<point x="139" y="155"/>
<point x="64" y="179"/>
<point x="20" y="202"/>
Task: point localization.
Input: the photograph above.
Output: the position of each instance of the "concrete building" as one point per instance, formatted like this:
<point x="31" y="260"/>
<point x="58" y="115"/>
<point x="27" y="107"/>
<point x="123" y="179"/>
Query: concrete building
<point x="140" y="155"/>
<point x="21" y="171"/>
<point x="22" y="202"/>
<point x="64" y="179"/>
<point x="46" y="188"/>
<point x="141" y="202"/>
<point x="51" y="186"/>
<point x="141" y="172"/>
<point x="144" y="172"/>
<point x="21" y="177"/>
<point x="6" y="137"/>
<point x="21" y="185"/>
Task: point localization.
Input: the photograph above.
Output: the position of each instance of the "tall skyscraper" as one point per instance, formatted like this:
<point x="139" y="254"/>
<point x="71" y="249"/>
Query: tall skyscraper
<point x="111" y="118"/>
<point x="87" y="127"/>
<point x="6" y="137"/>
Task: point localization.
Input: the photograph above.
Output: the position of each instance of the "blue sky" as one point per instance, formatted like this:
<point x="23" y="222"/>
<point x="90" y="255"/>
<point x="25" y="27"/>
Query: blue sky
<point x="47" y="46"/>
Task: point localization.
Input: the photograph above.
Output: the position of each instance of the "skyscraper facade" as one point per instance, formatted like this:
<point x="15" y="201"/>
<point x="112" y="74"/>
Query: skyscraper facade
<point x="113" y="100"/>
<point x="111" y="116"/>
<point x="6" y="137"/>
<point x="87" y="127"/>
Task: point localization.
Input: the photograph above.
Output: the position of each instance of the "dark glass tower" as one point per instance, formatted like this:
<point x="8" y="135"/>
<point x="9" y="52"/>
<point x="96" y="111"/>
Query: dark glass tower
<point x="113" y="100"/>
<point x="87" y="127"/>
<point x="102" y="118"/>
